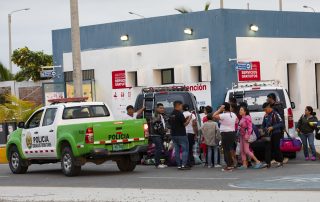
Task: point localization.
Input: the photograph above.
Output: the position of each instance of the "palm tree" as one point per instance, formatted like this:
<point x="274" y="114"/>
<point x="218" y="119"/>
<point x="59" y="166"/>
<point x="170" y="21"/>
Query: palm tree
<point x="188" y="10"/>
<point x="5" y="74"/>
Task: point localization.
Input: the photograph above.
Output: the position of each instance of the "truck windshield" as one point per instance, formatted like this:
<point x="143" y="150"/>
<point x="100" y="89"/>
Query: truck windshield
<point x="256" y="98"/>
<point x="90" y="111"/>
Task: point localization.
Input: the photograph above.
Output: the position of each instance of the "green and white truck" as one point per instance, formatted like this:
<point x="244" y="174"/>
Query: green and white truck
<point x="74" y="133"/>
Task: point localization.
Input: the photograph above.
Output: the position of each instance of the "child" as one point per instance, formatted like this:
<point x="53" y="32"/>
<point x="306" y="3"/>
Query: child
<point x="211" y="136"/>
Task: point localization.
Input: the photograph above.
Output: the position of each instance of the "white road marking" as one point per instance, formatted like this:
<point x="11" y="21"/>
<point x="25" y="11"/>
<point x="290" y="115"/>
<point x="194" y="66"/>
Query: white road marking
<point x="190" y="178"/>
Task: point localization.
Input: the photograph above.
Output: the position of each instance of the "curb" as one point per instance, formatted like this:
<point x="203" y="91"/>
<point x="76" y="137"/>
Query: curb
<point x="3" y="157"/>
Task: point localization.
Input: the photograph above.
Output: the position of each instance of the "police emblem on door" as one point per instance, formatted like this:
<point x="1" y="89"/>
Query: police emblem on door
<point x="29" y="140"/>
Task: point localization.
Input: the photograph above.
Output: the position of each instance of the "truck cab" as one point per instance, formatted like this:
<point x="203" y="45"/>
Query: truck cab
<point x="74" y="133"/>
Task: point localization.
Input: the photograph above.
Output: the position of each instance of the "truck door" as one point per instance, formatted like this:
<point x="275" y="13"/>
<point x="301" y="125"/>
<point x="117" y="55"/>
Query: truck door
<point x="30" y="133"/>
<point x="48" y="133"/>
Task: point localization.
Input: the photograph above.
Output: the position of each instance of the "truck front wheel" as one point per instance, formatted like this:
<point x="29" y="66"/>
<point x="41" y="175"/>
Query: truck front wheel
<point x="69" y="168"/>
<point x="126" y="165"/>
<point x="16" y="163"/>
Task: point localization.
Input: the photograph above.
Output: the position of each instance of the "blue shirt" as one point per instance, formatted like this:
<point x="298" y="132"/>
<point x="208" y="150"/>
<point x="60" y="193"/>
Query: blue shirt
<point x="273" y="120"/>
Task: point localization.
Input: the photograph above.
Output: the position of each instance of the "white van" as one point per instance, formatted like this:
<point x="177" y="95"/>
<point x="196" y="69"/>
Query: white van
<point x="255" y="94"/>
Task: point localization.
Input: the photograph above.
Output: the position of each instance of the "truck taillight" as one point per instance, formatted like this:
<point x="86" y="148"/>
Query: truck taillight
<point x="89" y="136"/>
<point x="290" y="118"/>
<point x="146" y="130"/>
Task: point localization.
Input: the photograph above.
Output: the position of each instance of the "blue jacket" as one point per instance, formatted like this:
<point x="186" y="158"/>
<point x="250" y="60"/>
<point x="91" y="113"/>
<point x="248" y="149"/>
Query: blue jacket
<point x="273" y="120"/>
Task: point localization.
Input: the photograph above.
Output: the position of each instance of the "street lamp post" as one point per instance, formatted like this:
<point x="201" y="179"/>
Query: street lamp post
<point x="10" y="38"/>
<point x="76" y="51"/>
<point x="305" y="6"/>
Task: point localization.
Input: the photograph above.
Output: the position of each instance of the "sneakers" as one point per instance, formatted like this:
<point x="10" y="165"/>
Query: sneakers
<point x="209" y="166"/>
<point x="307" y="158"/>
<point x="242" y="168"/>
<point x="277" y="165"/>
<point x="184" y="168"/>
<point x="258" y="166"/>
<point x="161" y="166"/>
<point x="313" y="158"/>
<point x="218" y="166"/>
<point x="227" y="169"/>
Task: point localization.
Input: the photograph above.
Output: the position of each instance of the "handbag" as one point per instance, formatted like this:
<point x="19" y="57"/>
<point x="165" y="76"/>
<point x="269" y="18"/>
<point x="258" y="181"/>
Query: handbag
<point x="253" y="137"/>
<point x="290" y="144"/>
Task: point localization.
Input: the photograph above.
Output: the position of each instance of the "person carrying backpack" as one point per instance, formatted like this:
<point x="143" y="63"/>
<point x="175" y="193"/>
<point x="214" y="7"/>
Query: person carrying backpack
<point x="245" y="130"/>
<point x="306" y="127"/>
<point x="211" y="136"/>
<point x="273" y="127"/>
<point x="157" y="132"/>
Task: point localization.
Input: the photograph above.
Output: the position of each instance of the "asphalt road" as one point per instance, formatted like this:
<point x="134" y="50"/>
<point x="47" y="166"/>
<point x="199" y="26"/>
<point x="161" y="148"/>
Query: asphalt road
<point x="296" y="175"/>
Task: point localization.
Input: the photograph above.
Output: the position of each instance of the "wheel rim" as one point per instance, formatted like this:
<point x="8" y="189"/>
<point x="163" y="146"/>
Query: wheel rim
<point x="15" y="160"/>
<point x="67" y="162"/>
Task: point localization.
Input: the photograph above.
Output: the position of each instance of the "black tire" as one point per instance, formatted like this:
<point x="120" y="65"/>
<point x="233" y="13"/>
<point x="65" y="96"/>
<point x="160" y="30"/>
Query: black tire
<point x="126" y="165"/>
<point x="68" y="166"/>
<point x="16" y="163"/>
<point x="290" y="155"/>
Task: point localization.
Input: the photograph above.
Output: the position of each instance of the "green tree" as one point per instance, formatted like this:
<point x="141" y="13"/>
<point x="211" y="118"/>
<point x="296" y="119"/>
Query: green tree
<point x="30" y="63"/>
<point x="15" y="109"/>
<point x="5" y="74"/>
<point x="188" y="10"/>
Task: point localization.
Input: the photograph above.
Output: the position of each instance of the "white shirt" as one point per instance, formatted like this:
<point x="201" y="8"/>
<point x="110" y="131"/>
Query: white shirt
<point x="228" y="122"/>
<point x="128" y="117"/>
<point x="189" y="128"/>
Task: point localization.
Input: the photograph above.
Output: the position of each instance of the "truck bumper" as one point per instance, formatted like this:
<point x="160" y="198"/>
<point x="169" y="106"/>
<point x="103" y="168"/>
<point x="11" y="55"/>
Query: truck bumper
<point x="103" y="153"/>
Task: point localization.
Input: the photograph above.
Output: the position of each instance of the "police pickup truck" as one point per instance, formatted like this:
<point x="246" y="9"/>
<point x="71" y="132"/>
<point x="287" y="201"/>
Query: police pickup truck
<point x="74" y="132"/>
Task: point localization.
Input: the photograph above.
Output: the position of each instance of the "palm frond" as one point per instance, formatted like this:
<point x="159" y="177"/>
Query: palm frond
<point x="183" y="10"/>
<point x="206" y="8"/>
<point x="5" y="74"/>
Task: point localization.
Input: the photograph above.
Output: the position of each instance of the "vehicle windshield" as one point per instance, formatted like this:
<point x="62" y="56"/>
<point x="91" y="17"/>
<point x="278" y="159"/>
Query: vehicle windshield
<point x="90" y="111"/>
<point x="256" y="98"/>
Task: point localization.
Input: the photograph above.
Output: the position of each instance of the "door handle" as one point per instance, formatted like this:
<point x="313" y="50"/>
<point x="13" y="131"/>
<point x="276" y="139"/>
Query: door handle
<point x="50" y="131"/>
<point x="36" y="132"/>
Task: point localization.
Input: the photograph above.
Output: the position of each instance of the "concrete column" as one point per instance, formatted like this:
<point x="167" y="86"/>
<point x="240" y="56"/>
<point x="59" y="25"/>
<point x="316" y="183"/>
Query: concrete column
<point x="76" y="51"/>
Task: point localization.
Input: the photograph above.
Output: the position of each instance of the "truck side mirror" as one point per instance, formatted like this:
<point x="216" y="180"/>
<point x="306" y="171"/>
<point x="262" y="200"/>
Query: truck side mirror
<point x="21" y="125"/>
<point x="293" y="105"/>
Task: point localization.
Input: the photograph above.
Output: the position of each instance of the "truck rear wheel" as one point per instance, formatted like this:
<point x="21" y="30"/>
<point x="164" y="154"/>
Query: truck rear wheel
<point x="126" y="165"/>
<point x="16" y="163"/>
<point x="69" y="168"/>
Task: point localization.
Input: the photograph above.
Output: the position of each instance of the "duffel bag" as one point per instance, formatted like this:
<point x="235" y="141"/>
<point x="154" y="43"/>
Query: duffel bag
<point x="290" y="144"/>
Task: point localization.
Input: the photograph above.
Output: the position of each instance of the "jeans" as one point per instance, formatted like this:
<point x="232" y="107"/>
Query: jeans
<point x="191" y="144"/>
<point x="215" y="150"/>
<point x="305" y="138"/>
<point x="181" y="142"/>
<point x="157" y="141"/>
<point x="228" y="141"/>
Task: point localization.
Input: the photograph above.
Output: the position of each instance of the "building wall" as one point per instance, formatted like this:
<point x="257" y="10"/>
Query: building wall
<point x="147" y="61"/>
<point x="221" y="27"/>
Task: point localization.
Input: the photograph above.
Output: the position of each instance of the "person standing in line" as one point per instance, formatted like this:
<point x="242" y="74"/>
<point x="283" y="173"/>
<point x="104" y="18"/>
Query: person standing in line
<point x="211" y="134"/>
<point x="273" y="126"/>
<point x="227" y="121"/>
<point x="179" y="135"/>
<point x="131" y="114"/>
<point x="207" y="110"/>
<point x="245" y="129"/>
<point x="157" y="132"/>
<point x="306" y="126"/>
<point x="190" y="132"/>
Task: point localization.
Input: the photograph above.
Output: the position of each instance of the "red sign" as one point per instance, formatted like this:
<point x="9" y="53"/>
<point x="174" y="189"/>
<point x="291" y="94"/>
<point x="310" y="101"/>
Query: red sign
<point x="250" y="75"/>
<point x="119" y="79"/>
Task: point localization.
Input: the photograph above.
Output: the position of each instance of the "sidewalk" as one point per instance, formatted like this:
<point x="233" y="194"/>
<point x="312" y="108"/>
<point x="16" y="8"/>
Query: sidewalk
<point x="120" y="195"/>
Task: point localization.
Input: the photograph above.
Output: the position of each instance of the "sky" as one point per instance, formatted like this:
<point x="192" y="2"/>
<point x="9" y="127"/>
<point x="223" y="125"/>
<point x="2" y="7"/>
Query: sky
<point x="32" y="28"/>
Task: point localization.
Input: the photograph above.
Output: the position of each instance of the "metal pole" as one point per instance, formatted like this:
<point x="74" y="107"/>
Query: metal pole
<point x="280" y="5"/>
<point x="248" y="6"/>
<point x="221" y="4"/>
<point x="10" y="43"/>
<point x="76" y="51"/>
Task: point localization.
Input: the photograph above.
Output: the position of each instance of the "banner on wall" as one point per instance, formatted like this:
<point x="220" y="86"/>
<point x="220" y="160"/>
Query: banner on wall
<point x="119" y="79"/>
<point x="250" y="75"/>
